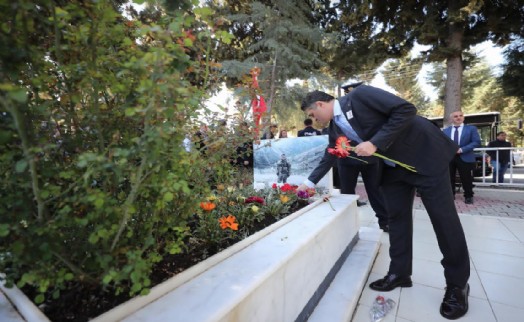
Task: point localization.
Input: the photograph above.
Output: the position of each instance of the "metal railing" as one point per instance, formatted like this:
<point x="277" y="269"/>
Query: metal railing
<point x="514" y="176"/>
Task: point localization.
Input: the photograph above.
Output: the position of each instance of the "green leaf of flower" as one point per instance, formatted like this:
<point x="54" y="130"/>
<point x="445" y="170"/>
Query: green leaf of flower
<point x="168" y="196"/>
<point x="21" y="166"/>
<point x="4" y="230"/>
<point x="19" y="95"/>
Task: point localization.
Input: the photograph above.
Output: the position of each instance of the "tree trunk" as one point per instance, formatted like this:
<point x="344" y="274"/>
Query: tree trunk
<point x="453" y="94"/>
<point x="453" y="89"/>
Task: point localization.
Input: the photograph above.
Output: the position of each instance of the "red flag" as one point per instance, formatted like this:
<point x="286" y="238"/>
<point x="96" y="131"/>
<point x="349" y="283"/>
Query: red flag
<point x="258" y="103"/>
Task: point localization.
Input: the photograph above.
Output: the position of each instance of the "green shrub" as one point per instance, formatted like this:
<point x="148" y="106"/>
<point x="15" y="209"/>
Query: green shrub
<point x="96" y="187"/>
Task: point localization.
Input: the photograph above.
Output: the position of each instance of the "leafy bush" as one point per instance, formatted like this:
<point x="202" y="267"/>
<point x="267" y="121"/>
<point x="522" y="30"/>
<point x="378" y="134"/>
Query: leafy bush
<point x="96" y="186"/>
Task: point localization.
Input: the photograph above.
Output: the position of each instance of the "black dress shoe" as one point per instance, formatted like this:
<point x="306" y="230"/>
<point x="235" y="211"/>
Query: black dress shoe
<point x="468" y="200"/>
<point x="361" y="203"/>
<point x="455" y="303"/>
<point x="390" y="282"/>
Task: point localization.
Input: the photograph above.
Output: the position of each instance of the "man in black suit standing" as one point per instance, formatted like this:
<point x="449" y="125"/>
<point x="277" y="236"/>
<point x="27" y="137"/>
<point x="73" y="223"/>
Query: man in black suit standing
<point x="382" y="122"/>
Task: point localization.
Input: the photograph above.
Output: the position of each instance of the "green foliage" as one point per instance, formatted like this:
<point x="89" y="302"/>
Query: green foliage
<point x="278" y="36"/>
<point x="402" y="76"/>
<point x="513" y="76"/>
<point x="96" y="186"/>
<point x="391" y="28"/>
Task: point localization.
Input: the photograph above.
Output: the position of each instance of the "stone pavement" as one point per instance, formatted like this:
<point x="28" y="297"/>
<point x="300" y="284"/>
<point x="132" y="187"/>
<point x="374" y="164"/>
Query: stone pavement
<point x="487" y="202"/>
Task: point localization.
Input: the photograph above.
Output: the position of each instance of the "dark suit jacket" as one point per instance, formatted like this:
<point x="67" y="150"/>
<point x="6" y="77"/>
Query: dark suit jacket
<point x="469" y="140"/>
<point x="392" y="125"/>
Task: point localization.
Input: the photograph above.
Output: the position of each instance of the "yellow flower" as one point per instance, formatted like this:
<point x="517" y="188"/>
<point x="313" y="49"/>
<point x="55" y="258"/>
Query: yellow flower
<point x="232" y="203"/>
<point x="284" y="198"/>
<point x="220" y="187"/>
<point x="255" y="209"/>
<point x="230" y="189"/>
<point x="212" y="198"/>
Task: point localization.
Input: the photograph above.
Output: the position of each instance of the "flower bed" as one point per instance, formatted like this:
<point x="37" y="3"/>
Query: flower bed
<point x="287" y="262"/>
<point x="225" y="217"/>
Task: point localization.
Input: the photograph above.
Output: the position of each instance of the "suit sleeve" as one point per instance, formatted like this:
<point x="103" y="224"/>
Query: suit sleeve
<point x="474" y="139"/>
<point x="327" y="162"/>
<point x="396" y="114"/>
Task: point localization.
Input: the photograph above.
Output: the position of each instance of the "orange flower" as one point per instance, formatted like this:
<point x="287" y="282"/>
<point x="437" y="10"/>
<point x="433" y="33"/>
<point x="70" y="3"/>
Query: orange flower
<point x="228" y="222"/>
<point x="207" y="206"/>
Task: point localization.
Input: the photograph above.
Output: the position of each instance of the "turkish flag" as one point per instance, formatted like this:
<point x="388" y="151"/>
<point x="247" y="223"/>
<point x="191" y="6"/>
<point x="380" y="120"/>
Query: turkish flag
<point x="259" y="107"/>
<point x="258" y="103"/>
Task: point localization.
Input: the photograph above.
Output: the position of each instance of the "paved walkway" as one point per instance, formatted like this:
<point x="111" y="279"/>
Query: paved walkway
<point x="495" y="233"/>
<point x="487" y="202"/>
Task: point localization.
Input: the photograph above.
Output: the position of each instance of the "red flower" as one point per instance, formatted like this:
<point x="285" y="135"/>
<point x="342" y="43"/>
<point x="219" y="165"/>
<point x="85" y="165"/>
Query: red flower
<point x="274" y="186"/>
<point x="256" y="199"/>
<point x="287" y="187"/>
<point x="342" y="147"/>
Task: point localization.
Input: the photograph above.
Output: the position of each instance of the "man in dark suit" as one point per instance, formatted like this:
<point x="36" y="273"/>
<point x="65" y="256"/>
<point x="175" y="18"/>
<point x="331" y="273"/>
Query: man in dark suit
<point x="467" y="137"/>
<point x="346" y="172"/>
<point x="385" y="123"/>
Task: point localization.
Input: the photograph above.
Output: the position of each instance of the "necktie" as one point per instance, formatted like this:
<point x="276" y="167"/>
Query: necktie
<point x="456" y="135"/>
<point x="344" y="125"/>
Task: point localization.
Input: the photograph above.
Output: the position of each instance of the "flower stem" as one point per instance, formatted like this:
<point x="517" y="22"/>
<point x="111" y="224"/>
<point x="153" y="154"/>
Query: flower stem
<point x="408" y="167"/>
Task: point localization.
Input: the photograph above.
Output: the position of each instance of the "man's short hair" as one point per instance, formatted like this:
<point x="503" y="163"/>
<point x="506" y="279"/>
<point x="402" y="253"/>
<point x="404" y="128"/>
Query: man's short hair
<point x="313" y="97"/>
<point x="308" y="122"/>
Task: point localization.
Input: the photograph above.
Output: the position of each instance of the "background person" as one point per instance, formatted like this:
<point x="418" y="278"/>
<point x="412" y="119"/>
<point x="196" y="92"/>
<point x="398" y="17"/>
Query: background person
<point x="282" y="134"/>
<point x="467" y="138"/>
<point x="270" y="132"/>
<point x="499" y="162"/>
<point x="308" y="130"/>
<point x="388" y="124"/>
<point x="348" y="171"/>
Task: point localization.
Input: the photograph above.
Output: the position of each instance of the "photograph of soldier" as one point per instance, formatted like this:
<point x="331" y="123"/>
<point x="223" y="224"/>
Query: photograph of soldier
<point x="283" y="169"/>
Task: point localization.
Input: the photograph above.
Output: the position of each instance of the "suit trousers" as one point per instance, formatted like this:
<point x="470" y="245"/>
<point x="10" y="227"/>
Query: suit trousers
<point x="465" y="171"/>
<point x="348" y="175"/>
<point x="398" y="186"/>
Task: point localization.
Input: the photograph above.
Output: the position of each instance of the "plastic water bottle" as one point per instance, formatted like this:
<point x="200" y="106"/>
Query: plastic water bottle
<point x="380" y="308"/>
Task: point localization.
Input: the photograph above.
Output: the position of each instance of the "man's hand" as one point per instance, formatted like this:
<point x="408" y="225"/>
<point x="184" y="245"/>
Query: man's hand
<point x="302" y="187"/>
<point x="365" y="149"/>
